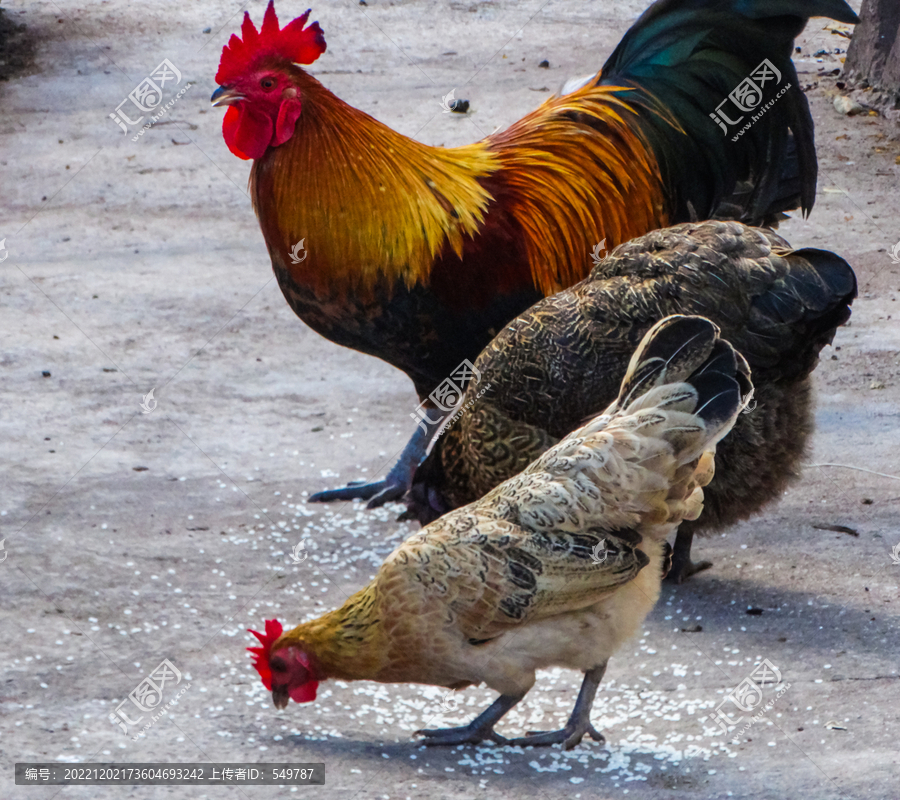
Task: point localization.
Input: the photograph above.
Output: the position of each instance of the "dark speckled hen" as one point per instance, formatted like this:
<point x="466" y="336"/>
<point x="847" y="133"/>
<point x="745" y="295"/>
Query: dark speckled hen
<point x="563" y="359"/>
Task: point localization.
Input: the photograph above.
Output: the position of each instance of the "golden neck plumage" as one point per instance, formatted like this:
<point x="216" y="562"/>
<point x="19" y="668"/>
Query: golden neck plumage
<point x="578" y="173"/>
<point x="348" y="643"/>
<point x="375" y="206"/>
<point x="370" y="203"/>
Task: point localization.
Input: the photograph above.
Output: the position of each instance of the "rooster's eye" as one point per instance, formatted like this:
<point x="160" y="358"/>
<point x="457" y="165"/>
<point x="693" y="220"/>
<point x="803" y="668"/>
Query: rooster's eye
<point x="267" y="83"/>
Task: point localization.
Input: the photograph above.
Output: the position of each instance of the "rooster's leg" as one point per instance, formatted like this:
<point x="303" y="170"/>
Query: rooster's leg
<point x="479" y="729"/>
<point x="395" y="484"/>
<point x="682" y="566"/>
<point x="579" y="723"/>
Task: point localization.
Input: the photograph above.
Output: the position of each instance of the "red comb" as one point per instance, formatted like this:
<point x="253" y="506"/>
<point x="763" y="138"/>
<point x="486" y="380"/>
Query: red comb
<point x="295" y="43"/>
<point x="261" y="654"/>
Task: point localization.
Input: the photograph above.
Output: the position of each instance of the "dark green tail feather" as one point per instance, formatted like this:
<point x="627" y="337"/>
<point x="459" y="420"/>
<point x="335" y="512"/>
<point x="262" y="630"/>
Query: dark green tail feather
<point x="680" y="61"/>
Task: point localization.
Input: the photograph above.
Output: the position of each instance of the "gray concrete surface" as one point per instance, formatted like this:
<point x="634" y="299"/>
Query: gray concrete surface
<point x="130" y="538"/>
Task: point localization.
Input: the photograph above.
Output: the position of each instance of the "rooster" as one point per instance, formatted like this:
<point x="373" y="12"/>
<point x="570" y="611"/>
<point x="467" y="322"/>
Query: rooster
<point x="419" y="254"/>
<point x="557" y="566"/>
<point x="562" y="361"/>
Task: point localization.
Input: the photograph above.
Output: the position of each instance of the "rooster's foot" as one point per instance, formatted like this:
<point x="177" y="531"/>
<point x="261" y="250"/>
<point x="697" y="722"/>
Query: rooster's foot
<point x="394" y="485"/>
<point x="569" y="736"/>
<point x="682" y="567"/>
<point x="479" y="729"/>
<point x="377" y="492"/>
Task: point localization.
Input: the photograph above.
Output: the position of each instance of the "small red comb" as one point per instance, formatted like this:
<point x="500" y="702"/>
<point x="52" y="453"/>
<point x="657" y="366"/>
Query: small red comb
<point x="261" y="654"/>
<point x="294" y="42"/>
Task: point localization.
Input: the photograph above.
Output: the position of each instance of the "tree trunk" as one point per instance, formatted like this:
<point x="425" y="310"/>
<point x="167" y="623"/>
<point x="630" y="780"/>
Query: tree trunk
<point x="873" y="57"/>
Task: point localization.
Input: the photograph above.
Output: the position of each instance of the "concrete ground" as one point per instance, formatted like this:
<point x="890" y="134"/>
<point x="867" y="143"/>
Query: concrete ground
<point x="130" y="537"/>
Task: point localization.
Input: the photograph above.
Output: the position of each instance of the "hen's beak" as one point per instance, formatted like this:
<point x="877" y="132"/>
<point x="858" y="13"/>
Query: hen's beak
<point x="225" y="96"/>
<point x="280" y="696"/>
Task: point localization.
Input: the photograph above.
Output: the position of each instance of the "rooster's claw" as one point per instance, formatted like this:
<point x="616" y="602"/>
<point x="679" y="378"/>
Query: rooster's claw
<point x="377" y="492"/>
<point x="394" y="485"/>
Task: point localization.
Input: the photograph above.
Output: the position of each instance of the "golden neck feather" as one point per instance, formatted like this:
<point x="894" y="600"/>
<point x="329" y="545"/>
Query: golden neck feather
<point x="578" y="173"/>
<point x="371" y="203"/>
<point x="348" y="643"/>
<point x="376" y="206"/>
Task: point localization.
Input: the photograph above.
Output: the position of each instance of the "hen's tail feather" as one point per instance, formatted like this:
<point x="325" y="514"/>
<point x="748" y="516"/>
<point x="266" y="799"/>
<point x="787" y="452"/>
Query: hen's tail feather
<point x="688" y="369"/>
<point x="685" y="349"/>
<point x="667" y="391"/>
<point x="681" y="61"/>
<point x="836" y="279"/>
<point x="670" y="352"/>
<point x="640" y="466"/>
<point x="803" y="310"/>
<point x="716" y="391"/>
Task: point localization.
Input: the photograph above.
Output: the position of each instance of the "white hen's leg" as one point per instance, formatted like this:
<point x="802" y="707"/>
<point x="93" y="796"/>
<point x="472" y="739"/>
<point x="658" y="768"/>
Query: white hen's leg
<point x="479" y="729"/>
<point x="579" y="723"/>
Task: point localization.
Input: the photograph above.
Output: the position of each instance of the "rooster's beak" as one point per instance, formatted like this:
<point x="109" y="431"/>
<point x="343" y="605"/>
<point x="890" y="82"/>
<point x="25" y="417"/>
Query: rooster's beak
<point x="225" y="96"/>
<point x="280" y="696"/>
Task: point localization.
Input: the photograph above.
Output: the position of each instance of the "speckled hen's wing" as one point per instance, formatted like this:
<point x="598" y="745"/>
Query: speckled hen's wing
<point x="490" y="574"/>
<point x="529" y="549"/>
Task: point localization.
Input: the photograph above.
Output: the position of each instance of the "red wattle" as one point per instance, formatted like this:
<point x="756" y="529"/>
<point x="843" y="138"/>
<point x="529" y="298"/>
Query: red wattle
<point x="305" y="693"/>
<point x="247" y="132"/>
